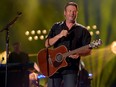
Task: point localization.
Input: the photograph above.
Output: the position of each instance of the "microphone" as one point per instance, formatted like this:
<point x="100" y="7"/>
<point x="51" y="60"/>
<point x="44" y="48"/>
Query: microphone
<point x="11" y="22"/>
<point x="19" y="13"/>
<point x="14" y="20"/>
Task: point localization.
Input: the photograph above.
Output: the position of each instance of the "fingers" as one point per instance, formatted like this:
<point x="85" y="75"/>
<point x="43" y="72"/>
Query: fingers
<point x="64" y="33"/>
<point x="75" y="56"/>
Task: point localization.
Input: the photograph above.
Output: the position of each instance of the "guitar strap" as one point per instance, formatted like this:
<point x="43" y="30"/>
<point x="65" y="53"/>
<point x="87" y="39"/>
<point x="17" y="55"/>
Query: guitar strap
<point x="48" y="43"/>
<point x="47" y="58"/>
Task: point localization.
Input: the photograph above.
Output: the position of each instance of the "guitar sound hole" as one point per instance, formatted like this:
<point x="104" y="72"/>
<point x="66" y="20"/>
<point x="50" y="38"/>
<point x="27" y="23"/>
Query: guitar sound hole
<point x="59" y="58"/>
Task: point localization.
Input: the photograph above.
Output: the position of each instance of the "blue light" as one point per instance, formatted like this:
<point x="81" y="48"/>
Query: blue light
<point x="41" y="76"/>
<point x="90" y="74"/>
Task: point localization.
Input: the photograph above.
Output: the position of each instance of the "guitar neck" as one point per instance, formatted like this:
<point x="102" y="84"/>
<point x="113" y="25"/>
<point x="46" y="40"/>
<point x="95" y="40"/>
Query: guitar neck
<point x="78" y="50"/>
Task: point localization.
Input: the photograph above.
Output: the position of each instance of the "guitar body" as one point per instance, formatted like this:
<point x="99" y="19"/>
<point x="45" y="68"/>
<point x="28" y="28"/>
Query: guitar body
<point x="56" y="57"/>
<point x="55" y="60"/>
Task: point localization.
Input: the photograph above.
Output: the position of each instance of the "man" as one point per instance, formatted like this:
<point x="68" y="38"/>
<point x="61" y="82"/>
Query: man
<point x="72" y="35"/>
<point x="18" y="56"/>
<point x="19" y="77"/>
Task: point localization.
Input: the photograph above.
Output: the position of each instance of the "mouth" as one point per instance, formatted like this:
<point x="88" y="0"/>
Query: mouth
<point x="72" y="17"/>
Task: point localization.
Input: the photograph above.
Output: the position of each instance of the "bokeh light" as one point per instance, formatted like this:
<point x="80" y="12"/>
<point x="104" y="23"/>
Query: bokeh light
<point x="35" y="37"/>
<point x="33" y="32"/>
<point x="41" y="37"/>
<point x="27" y="33"/>
<point x="44" y="31"/>
<point x="38" y="31"/>
<point x="113" y="47"/>
<point x="88" y="27"/>
<point x="30" y="38"/>
<point x="94" y="27"/>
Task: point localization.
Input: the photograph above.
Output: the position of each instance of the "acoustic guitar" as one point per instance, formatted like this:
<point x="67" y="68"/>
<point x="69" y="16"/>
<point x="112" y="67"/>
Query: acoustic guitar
<point x="51" y="60"/>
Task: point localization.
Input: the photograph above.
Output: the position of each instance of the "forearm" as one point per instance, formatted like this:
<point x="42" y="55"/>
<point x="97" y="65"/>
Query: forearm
<point x="84" y="52"/>
<point x="52" y="41"/>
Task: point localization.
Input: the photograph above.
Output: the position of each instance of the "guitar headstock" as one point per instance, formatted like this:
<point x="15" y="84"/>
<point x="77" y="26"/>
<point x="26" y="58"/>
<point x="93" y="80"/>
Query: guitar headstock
<point x="95" y="44"/>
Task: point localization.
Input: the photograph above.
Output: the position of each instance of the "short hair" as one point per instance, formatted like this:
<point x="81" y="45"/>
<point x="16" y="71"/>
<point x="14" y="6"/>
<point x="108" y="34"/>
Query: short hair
<point x="71" y="3"/>
<point x="16" y="43"/>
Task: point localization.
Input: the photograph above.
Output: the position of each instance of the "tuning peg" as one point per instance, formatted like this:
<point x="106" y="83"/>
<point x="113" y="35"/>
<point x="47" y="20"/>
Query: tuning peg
<point x="99" y="41"/>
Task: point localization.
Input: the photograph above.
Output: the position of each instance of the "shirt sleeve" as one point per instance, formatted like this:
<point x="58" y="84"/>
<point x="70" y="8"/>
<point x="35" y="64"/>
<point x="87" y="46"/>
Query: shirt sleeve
<point x="86" y="37"/>
<point x="52" y="31"/>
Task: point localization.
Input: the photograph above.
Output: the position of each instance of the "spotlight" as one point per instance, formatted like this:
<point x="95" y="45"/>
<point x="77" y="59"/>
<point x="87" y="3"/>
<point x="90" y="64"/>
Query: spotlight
<point x="113" y="47"/>
<point x="91" y="33"/>
<point x="88" y="27"/>
<point x="97" y="32"/>
<point x="41" y="76"/>
<point x="94" y="27"/>
<point x="44" y="31"/>
<point x="41" y="37"/>
<point x="38" y="31"/>
<point x="90" y="76"/>
<point x="27" y="33"/>
<point x="32" y="32"/>
<point x="35" y="37"/>
<point x="30" y="38"/>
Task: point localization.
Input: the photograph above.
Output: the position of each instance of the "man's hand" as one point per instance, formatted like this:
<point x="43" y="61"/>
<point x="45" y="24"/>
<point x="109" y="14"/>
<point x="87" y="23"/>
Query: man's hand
<point x="51" y="41"/>
<point x="74" y="56"/>
<point x="63" y="33"/>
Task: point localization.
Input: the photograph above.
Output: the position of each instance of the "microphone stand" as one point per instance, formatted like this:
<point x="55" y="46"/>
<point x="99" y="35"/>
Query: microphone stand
<point x="7" y="41"/>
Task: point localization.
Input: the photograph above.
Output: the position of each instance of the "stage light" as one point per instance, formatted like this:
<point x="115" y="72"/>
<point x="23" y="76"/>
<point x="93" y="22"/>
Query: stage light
<point x="27" y="33"/>
<point x="36" y="34"/>
<point x="88" y="27"/>
<point x="91" y="33"/>
<point x="41" y="76"/>
<point x="35" y="37"/>
<point x="94" y="32"/>
<point x="90" y="76"/>
<point x="32" y="32"/>
<point x="97" y="32"/>
<point x="38" y="31"/>
<point x="30" y="38"/>
<point x="94" y="27"/>
<point x="113" y="47"/>
<point x="44" y="31"/>
<point x="41" y="37"/>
